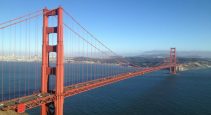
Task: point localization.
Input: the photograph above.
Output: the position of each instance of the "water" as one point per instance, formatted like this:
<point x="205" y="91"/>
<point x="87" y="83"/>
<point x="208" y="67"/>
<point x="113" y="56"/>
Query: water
<point x="158" y="93"/>
<point x="19" y="79"/>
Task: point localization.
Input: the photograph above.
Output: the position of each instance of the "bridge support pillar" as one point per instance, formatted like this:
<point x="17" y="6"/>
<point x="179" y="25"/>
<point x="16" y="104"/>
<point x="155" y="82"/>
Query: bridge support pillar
<point x="173" y="61"/>
<point x="57" y="71"/>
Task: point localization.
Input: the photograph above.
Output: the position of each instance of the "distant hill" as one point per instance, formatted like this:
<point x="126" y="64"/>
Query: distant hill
<point x="188" y="54"/>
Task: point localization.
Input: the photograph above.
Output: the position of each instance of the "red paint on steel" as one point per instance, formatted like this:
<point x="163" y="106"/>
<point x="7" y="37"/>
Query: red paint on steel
<point x="45" y="60"/>
<point x="59" y="101"/>
<point x="21" y="108"/>
<point x="46" y="69"/>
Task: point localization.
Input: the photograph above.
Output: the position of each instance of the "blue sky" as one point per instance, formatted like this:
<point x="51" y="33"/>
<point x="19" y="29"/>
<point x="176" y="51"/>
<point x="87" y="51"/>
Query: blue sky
<point x="133" y="26"/>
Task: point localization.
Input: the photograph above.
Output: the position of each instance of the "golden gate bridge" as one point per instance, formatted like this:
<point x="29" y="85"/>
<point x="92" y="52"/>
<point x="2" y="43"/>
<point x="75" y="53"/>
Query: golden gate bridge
<point x="68" y="60"/>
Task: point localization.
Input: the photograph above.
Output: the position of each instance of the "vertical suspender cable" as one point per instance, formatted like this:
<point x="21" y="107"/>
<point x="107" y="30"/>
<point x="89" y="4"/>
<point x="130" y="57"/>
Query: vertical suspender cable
<point x="83" y="64"/>
<point x="20" y="56"/>
<point x="79" y="63"/>
<point x="9" y="61"/>
<point x="29" y="40"/>
<point x="24" y="56"/>
<point x="14" y="66"/>
<point x="35" y="54"/>
<point x="91" y="74"/>
<point x="87" y="64"/>
<point x="71" y="57"/>
<point x="2" y="66"/>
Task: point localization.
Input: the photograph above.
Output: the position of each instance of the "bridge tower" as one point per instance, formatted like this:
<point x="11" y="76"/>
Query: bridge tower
<point x="173" y="60"/>
<point x="56" y="107"/>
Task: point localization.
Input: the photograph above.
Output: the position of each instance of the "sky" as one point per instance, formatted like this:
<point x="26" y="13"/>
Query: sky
<point x="132" y="26"/>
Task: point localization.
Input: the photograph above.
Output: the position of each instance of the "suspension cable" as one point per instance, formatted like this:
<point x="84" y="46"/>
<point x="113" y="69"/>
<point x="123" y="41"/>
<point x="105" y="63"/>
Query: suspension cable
<point x="87" y="40"/>
<point x="29" y="14"/>
<point x="95" y="38"/>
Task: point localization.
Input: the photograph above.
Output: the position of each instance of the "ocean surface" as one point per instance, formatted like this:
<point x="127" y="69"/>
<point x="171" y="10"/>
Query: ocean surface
<point x="158" y="93"/>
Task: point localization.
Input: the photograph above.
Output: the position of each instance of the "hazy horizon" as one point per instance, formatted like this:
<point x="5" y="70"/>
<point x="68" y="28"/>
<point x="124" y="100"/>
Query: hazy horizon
<point x="205" y="54"/>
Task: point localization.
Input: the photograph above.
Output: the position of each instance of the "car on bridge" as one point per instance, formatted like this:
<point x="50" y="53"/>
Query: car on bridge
<point x="19" y="101"/>
<point x="39" y="95"/>
<point x="1" y="105"/>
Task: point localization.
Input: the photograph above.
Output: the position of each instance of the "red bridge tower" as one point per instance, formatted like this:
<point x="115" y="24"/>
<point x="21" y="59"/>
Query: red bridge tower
<point x="56" y="107"/>
<point x="173" y="60"/>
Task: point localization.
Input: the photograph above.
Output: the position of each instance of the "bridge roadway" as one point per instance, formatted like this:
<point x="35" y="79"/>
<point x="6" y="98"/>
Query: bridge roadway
<point x="37" y="99"/>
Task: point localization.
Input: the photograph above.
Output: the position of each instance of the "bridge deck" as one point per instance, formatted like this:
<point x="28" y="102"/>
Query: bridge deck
<point x="37" y="99"/>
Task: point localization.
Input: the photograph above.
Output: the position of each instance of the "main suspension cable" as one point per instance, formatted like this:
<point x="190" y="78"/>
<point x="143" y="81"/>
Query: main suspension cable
<point x="95" y="38"/>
